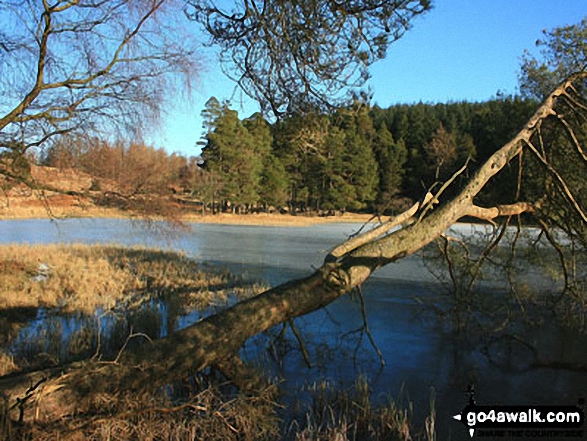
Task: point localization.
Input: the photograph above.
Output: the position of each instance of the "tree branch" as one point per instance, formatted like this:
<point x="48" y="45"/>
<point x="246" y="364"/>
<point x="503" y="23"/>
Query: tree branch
<point x="41" y="62"/>
<point x="357" y="241"/>
<point x="491" y="213"/>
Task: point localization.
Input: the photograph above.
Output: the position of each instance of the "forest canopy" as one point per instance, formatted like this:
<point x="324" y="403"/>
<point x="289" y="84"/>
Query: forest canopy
<point x="357" y="158"/>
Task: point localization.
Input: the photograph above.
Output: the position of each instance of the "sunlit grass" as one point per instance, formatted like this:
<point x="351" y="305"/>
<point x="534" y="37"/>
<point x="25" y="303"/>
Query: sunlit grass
<point x="95" y="281"/>
<point x="83" y="278"/>
<point x="7" y="364"/>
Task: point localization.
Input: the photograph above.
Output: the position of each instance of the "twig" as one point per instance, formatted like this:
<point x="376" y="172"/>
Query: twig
<point x="131" y="336"/>
<point x="298" y="336"/>
<point x="20" y="402"/>
<point x="366" y="325"/>
<point x="434" y="200"/>
<point x="561" y="256"/>
<point x="475" y="270"/>
<point x="563" y="184"/>
<point x="571" y="133"/>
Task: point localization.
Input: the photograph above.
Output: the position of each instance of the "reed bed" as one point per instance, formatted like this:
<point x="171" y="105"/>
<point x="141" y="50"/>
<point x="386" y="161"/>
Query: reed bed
<point x="83" y="278"/>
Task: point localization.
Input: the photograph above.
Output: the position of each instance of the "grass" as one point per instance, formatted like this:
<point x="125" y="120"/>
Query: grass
<point x="216" y="415"/>
<point x="65" y="206"/>
<point x="207" y="415"/>
<point x="7" y="364"/>
<point x="83" y="278"/>
<point x="67" y="277"/>
<point x="349" y="414"/>
<point x="55" y="206"/>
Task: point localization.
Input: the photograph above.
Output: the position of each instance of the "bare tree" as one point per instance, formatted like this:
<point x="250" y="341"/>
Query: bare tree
<point x="441" y="151"/>
<point x="216" y="340"/>
<point x="87" y="66"/>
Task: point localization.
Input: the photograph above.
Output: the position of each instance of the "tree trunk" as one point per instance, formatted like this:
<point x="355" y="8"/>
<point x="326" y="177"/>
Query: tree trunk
<point x="215" y="341"/>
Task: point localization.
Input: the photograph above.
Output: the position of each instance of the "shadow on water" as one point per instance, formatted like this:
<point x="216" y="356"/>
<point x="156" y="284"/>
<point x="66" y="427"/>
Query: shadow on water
<point x="49" y="337"/>
<point x="532" y="367"/>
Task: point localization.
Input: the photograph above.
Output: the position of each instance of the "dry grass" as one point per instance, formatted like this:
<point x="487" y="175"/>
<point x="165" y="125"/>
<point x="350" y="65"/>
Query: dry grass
<point x="213" y="415"/>
<point x="68" y="277"/>
<point x="83" y="278"/>
<point x="273" y="219"/>
<point x="208" y="415"/>
<point x="59" y="206"/>
<point x="7" y="364"/>
<point x="337" y="414"/>
<point x="39" y="206"/>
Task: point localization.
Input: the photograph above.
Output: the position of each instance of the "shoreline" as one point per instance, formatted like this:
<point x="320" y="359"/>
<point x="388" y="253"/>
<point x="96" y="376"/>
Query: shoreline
<point x="253" y="219"/>
<point x="267" y="219"/>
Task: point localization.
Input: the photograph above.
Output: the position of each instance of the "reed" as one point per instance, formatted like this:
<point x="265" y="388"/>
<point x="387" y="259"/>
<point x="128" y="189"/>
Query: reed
<point x="83" y="278"/>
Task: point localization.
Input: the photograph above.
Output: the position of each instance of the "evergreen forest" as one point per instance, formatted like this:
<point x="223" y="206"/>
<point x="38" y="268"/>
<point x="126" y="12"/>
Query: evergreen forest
<point x="359" y="158"/>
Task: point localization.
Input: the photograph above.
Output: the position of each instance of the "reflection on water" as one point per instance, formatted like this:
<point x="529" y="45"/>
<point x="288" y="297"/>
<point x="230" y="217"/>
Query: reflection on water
<point x="418" y="354"/>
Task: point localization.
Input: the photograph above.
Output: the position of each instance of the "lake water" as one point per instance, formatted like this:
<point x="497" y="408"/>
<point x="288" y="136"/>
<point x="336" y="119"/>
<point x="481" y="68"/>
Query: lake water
<point x="419" y="354"/>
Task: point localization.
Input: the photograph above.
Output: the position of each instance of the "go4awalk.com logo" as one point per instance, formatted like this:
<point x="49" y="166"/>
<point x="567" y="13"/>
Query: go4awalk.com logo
<point x="522" y="421"/>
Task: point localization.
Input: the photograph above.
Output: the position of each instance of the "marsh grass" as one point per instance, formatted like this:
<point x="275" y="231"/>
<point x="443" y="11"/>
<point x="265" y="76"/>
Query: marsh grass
<point x="349" y="414"/>
<point x="207" y="415"/>
<point x="90" y="282"/>
<point x="83" y="278"/>
<point x="218" y="413"/>
<point x="7" y="364"/>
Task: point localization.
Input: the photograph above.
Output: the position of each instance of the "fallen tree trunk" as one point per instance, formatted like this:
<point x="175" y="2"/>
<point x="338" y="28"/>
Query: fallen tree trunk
<point x="215" y="341"/>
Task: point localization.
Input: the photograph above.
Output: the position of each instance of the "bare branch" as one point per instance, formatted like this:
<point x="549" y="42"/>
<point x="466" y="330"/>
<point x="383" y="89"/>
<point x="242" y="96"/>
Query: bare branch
<point x="571" y="133"/>
<point x="566" y="190"/>
<point x="357" y="241"/>
<point x="492" y="213"/>
<point x="99" y="65"/>
<point x="41" y="62"/>
<point x="300" y="340"/>
<point x="435" y="199"/>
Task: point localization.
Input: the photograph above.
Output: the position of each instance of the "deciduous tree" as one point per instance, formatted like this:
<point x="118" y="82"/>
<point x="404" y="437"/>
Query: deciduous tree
<point x="87" y="66"/>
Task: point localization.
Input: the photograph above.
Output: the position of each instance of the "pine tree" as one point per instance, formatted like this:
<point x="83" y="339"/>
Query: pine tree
<point x="274" y="184"/>
<point x="230" y="155"/>
<point x="391" y="157"/>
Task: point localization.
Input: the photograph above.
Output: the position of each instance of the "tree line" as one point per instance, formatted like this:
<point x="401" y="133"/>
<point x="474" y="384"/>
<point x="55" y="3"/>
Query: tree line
<point x="357" y="158"/>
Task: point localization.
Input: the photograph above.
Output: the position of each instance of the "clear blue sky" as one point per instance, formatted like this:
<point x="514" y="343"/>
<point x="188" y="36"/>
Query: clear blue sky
<point x="461" y="50"/>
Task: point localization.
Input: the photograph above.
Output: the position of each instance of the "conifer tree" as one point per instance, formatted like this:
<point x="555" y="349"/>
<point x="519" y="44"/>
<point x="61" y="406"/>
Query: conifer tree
<point x="228" y="154"/>
<point x="391" y="157"/>
<point x="274" y="184"/>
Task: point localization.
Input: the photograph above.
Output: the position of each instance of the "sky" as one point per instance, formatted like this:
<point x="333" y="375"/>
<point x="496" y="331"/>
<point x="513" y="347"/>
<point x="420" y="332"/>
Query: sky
<point x="462" y="50"/>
